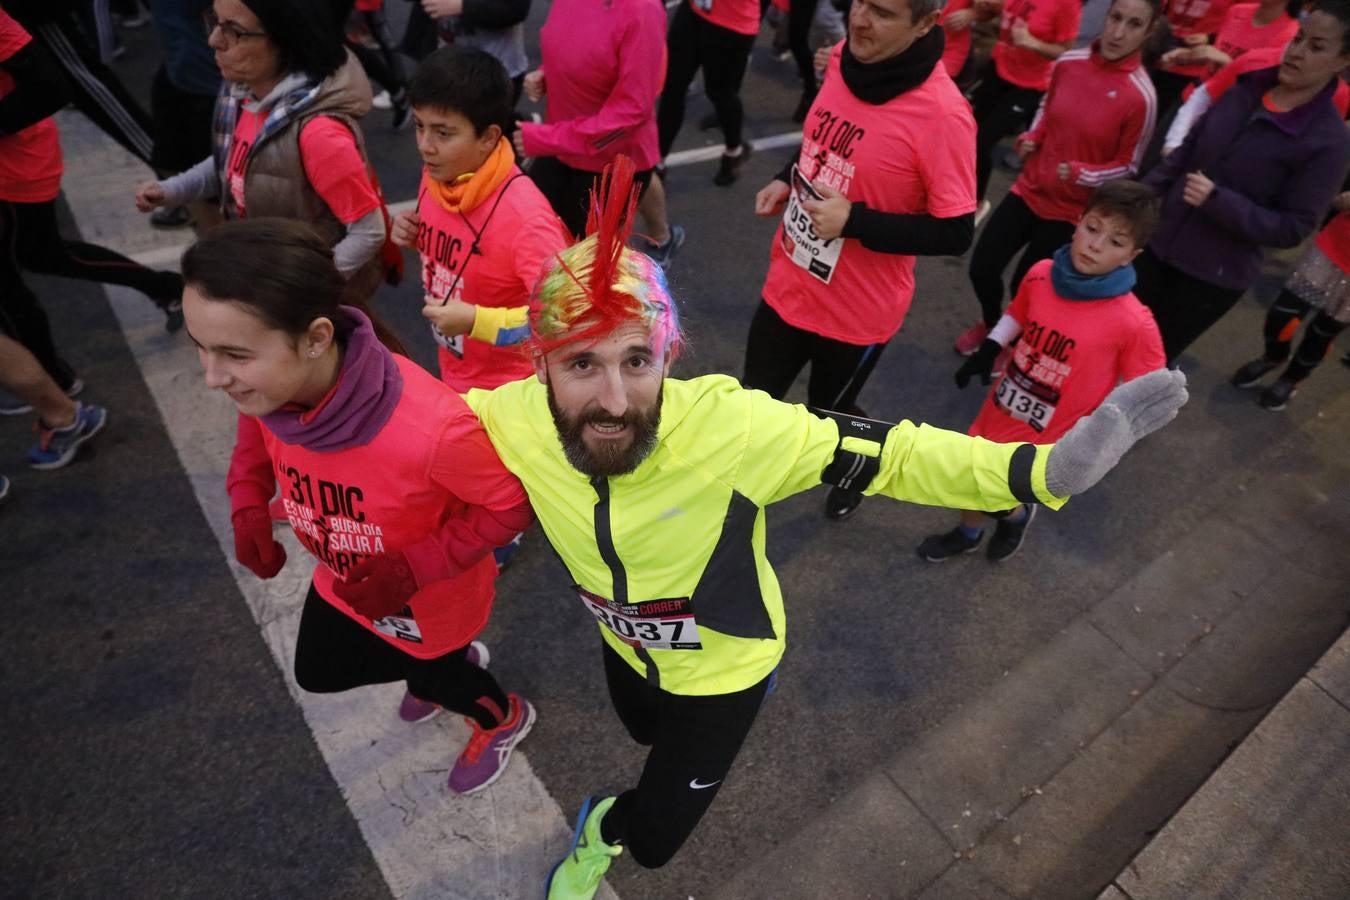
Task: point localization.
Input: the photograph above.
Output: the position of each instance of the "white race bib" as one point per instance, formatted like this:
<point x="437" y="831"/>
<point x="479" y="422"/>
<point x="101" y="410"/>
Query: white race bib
<point x="1024" y="399"/>
<point x="807" y="249"/>
<point x="652" y="625"/>
<point x="402" y="627"/>
<point x="454" y="344"/>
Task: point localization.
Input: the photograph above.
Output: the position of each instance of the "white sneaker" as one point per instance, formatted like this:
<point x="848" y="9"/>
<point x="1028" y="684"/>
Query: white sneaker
<point x="382" y="101"/>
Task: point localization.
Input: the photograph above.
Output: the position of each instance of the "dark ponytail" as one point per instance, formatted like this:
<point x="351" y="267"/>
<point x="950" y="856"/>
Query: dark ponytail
<point x="280" y="269"/>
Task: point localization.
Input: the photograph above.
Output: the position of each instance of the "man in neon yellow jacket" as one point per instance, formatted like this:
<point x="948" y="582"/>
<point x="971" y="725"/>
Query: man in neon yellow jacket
<point x="652" y="490"/>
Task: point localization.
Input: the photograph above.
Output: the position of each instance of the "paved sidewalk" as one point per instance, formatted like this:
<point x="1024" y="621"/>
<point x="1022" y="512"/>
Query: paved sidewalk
<point x="1274" y="820"/>
<point x="1052" y="781"/>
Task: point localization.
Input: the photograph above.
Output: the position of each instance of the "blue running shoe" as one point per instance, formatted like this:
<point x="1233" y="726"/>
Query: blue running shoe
<point x="56" y="447"/>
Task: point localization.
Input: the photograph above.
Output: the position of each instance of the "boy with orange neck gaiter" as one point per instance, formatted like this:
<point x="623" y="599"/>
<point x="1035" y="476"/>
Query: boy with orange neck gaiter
<point x="484" y="232"/>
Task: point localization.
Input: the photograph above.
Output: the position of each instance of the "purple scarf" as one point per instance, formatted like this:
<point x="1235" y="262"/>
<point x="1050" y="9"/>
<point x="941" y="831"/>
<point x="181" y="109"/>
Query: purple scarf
<point x="369" y="387"/>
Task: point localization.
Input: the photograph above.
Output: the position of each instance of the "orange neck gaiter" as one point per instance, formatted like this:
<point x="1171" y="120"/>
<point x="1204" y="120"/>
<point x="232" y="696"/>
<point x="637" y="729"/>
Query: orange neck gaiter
<point x="470" y="190"/>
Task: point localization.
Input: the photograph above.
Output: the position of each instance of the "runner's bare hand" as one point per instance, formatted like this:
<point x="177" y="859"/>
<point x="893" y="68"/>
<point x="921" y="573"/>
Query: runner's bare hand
<point x="828" y="216"/>
<point x="149" y="196"/>
<point x="771" y="199"/>
<point x="406" y="226"/>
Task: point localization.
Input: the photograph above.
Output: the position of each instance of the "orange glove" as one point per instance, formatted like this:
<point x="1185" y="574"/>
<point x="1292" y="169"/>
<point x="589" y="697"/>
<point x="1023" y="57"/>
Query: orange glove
<point x="378" y="587"/>
<point x="253" y="543"/>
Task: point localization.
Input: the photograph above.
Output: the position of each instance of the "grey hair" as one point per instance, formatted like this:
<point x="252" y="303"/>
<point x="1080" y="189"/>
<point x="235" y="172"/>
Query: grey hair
<point x="920" y="8"/>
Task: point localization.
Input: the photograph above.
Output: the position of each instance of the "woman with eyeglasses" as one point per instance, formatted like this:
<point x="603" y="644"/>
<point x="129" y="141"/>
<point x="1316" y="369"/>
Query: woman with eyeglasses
<point x="286" y="138"/>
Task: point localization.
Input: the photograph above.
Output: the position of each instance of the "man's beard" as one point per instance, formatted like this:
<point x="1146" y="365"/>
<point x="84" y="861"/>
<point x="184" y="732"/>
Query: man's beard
<point x="613" y="458"/>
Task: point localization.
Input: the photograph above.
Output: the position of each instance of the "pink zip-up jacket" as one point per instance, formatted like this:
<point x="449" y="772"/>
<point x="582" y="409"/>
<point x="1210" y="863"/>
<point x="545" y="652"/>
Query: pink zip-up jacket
<point x="604" y="62"/>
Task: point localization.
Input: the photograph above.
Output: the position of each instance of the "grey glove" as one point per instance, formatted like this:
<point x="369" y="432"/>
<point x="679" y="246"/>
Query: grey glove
<point x="1096" y="442"/>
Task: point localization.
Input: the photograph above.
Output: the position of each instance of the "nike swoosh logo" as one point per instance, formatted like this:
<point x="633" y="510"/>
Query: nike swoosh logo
<point x="694" y="785"/>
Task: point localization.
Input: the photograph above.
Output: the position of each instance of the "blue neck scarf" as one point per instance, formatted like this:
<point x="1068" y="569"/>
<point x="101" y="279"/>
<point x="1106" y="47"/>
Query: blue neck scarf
<point x="1071" y="284"/>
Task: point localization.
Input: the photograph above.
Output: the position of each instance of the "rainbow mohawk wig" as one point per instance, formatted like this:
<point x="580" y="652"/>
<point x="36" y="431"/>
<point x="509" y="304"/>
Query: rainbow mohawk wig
<point x="598" y="283"/>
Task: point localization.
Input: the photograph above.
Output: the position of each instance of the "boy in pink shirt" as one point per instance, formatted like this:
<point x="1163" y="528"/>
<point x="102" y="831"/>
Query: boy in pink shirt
<point x="1076" y="331"/>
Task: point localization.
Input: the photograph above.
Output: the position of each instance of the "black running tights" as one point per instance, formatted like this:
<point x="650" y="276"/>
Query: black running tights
<point x="1282" y="323"/>
<point x="693" y="740"/>
<point x="333" y="653"/>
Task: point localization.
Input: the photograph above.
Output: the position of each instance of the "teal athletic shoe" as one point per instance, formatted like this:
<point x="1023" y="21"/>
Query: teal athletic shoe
<point x="577" y="875"/>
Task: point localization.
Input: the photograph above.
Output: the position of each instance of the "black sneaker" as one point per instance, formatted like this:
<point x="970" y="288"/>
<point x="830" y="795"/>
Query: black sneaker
<point x="937" y="547"/>
<point x="730" y="168"/>
<point x="1253" y="372"/>
<point x="840" y="503"/>
<point x="171" y="217"/>
<point x="1278" y="395"/>
<point x="664" y="254"/>
<point x="1007" y="538"/>
<point x="173" y="315"/>
<point x="401" y="110"/>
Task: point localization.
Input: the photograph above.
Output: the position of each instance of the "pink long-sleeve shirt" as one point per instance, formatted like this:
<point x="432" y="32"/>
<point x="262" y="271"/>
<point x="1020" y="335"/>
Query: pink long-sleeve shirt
<point x="603" y="62"/>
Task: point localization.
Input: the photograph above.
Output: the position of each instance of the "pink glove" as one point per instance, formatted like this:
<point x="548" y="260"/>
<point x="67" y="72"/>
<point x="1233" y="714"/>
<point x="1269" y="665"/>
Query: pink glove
<point x="253" y="543"/>
<point x="378" y="587"/>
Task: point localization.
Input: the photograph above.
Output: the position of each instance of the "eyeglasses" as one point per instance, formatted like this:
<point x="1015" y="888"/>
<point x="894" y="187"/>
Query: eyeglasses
<point x="232" y="33"/>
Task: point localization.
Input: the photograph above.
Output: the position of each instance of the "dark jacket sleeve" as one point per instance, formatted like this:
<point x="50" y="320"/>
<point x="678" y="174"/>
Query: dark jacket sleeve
<point x="494" y="13"/>
<point x="1304" y="199"/>
<point x="40" y="88"/>
<point x="912" y="235"/>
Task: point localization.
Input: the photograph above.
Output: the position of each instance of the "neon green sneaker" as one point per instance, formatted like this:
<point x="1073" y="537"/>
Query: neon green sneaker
<point x="577" y="875"/>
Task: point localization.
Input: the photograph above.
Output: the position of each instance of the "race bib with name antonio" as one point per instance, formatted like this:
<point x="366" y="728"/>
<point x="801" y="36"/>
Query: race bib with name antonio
<point x="803" y="246"/>
<point x="1025" y="399"/>
<point x="653" y="624"/>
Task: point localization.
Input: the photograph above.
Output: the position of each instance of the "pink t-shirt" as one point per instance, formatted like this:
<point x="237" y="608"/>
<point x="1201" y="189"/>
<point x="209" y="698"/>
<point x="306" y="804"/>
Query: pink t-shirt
<point x="1239" y="33"/>
<point x="912" y="155"/>
<point x="957" y="46"/>
<point x="517" y="242"/>
<point x="332" y="164"/>
<point x="1052" y="21"/>
<point x="1069" y="356"/>
<point x="740" y="16"/>
<point x="604" y="62"/>
<point x="30" y="161"/>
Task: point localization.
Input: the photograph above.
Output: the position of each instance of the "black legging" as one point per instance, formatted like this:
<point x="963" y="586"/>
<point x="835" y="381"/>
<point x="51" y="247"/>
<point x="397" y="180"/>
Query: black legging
<point x="776" y="352"/>
<point x="694" y="43"/>
<point x="384" y="65"/>
<point x="800" y="15"/>
<point x="1184" y="306"/>
<point x="568" y="190"/>
<point x="694" y="741"/>
<point x="42" y="249"/>
<point x="1001" y="108"/>
<point x="21" y="315"/>
<point x="1012" y="227"/>
<point x="333" y="653"/>
<point x="30" y="241"/>
<point x="1282" y="323"/>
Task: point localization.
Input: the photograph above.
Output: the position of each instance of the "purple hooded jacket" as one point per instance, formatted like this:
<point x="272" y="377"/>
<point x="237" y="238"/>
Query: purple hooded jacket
<point x="1274" y="178"/>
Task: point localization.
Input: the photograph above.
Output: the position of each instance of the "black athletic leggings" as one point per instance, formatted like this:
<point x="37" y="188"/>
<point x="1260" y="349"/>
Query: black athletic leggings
<point x="694" y="43"/>
<point x="30" y="241"/>
<point x="1001" y="108"/>
<point x="21" y="315"/>
<point x="694" y="741"/>
<point x="384" y="65"/>
<point x="334" y="653"/>
<point x="1012" y="227"/>
<point x="1282" y="323"/>
<point x="776" y="352"/>
<point x="1184" y="306"/>
<point x="568" y="190"/>
<point x="801" y="13"/>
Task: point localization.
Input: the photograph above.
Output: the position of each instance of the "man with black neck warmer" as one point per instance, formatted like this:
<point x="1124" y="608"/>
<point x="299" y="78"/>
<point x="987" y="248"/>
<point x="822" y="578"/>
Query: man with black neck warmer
<point x="886" y="172"/>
